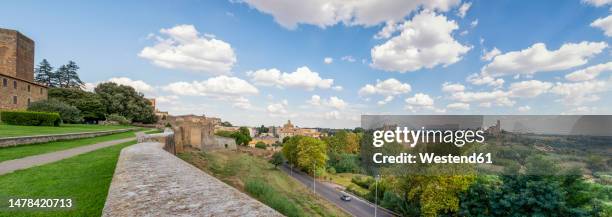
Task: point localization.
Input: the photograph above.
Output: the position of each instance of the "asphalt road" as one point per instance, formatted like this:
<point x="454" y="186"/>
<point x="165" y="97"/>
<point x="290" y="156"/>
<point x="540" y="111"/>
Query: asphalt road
<point x="356" y="207"/>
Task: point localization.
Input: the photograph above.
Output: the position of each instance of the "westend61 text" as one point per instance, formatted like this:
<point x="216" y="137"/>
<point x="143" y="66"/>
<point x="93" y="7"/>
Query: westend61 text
<point x="405" y="158"/>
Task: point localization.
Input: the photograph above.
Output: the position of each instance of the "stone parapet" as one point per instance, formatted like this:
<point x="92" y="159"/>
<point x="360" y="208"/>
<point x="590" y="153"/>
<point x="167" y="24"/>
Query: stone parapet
<point x="26" y="140"/>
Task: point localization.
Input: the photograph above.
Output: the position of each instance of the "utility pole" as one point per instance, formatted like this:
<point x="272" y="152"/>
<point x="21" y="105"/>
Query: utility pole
<point x="314" y="177"/>
<point x="376" y="194"/>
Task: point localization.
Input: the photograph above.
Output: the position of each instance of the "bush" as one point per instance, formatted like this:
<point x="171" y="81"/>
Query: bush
<point x="118" y="118"/>
<point x="68" y="113"/>
<point x="269" y="196"/>
<point x="364" y="182"/>
<point x="261" y="145"/>
<point x="30" y="118"/>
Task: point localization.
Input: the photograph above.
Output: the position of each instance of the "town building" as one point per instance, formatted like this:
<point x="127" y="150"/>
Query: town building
<point x="17" y="86"/>
<point x="268" y="140"/>
<point x="289" y="130"/>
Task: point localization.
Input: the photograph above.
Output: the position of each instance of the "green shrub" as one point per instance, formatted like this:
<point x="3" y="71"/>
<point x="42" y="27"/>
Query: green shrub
<point x="364" y="182"/>
<point x="261" y="145"/>
<point x="118" y="118"/>
<point x="265" y="193"/>
<point x="68" y="113"/>
<point x="30" y="118"/>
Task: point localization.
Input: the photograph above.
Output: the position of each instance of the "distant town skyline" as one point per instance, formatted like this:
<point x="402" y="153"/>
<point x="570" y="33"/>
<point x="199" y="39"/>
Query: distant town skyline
<point x="325" y="63"/>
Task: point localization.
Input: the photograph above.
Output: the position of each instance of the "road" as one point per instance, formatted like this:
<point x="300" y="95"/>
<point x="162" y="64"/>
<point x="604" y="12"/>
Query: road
<point x="357" y="207"/>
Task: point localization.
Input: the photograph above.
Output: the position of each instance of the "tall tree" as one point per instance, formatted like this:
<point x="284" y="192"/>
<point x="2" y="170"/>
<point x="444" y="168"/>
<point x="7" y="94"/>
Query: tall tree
<point x="44" y="73"/>
<point x="69" y="77"/>
<point x="125" y="101"/>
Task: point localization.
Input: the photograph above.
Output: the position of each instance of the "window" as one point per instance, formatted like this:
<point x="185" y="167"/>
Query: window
<point x="28" y="88"/>
<point x="41" y="90"/>
<point x="4" y="82"/>
<point x="14" y="99"/>
<point x="28" y="102"/>
<point x="15" y="84"/>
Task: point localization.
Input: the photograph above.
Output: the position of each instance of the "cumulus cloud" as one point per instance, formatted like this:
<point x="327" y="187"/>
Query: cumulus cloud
<point x="529" y="89"/>
<point x="499" y="97"/>
<point x="604" y="24"/>
<point x="525" y="108"/>
<point x="478" y="79"/>
<point x="220" y="86"/>
<point x="421" y="100"/>
<point x="348" y="59"/>
<point x="462" y="11"/>
<point x="324" y="13"/>
<point x="597" y="3"/>
<point x="425" y="41"/>
<point x="138" y="85"/>
<point x="581" y="92"/>
<point x="589" y="73"/>
<point x="302" y="77"/>
<point x="451" y="88"/>
<point x="389" y="87"/>
<point x="390" y="28"/>
<point x="184" y="48"/>
<point x="328" y="60"/>
<point x="458" y="106"/>
<point x="278" y="108"/>
<point x="538" y="58"/>
<point x="333" y="102"/>
<point x="489" y="55"/>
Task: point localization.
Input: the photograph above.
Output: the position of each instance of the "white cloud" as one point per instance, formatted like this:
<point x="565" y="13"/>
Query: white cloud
<point x="604" y="24"/>
<point x="278" y="108"/>
<point x="390" y="28"/>
<point x="450" y="87"/>
<point x="328" y="60"/>
<point x="387" y="87"/>
<point x="324" y="13"/>
<point x="338" y="88"/>
<point x="489" y="55"/>
<point x="184" y="48"/>
<point x="529" y="89"/>
<point x="332" y="115"/>
<point x="458" y="106"/>
<point x="170" y="99"/>
<point x="538" y="58"/>
<point x="498" y="97"/>
<point x="242" y="103"/>
<point x="138" y="85"/>
<point x="477" y="79"/>
<point x="301" y="78"/>
<point x="385" y="101"/>
<point x="333" y="102"/>
<point x="589" y="73"/>
<point x="597" y="3"/>
<point x="581" y="92"/>
<point x="220" y="86"/>
<point x="426" y="41"/>
<point x="421" y="100"/>
<point x="462" y="11"/>
<point x="524" y="108"/>
<point x="474" y="23"/>
<point x="348" y="59"/>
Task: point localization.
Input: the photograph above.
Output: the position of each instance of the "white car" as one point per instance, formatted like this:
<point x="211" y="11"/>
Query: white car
<point x="345" y="197"/>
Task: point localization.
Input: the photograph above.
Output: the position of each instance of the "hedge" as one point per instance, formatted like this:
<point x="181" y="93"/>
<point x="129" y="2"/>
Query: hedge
<point x="29" y="118"/>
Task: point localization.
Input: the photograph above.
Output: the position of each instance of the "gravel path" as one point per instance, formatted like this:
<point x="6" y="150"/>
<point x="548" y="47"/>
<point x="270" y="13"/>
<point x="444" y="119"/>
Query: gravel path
<point x="37" y="160"/>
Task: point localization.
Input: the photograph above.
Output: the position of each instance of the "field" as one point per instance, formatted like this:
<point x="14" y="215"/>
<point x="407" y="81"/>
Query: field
<point x="16" y="130"/>
<point x="84" y="178"/>
<point x="258" y="178"/>
<point x="10" y="153"/>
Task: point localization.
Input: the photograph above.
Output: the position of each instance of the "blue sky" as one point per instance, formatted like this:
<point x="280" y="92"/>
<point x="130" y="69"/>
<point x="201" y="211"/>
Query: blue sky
<point x="237" y="60"/>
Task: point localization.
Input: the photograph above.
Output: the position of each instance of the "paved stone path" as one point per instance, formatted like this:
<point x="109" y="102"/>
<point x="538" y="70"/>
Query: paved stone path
<point x="41" y="159"/>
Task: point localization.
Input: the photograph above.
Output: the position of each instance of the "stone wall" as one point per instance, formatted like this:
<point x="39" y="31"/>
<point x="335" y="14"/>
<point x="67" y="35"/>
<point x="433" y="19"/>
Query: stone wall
<point x="24" y="140"/>
<point x="16" y="94"/>
<point x="149" y="181"/>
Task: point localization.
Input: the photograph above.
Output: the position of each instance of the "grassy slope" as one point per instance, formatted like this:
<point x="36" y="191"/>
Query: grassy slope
<point x="15" y="130"/>
<point x="238" y="168"/>
<point x="11" y="153"/>
<point x="84" y="178"/>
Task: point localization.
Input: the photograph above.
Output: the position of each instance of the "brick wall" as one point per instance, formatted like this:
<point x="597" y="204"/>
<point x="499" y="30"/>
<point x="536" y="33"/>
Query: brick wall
<point x="24" y="92"/>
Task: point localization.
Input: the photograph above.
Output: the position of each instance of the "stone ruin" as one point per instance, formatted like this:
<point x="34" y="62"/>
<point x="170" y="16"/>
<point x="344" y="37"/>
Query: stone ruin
<point x="197" y="132"/>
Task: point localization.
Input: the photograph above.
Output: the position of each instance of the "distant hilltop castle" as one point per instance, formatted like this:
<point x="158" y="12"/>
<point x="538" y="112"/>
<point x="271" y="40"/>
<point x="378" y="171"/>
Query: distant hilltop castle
<point x="289" y="130"/>
<point x="17" y="86"/>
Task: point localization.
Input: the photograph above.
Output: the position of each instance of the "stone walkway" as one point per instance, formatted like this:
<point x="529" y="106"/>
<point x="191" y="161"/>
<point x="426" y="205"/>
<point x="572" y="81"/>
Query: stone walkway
<point x="37" y="160"/>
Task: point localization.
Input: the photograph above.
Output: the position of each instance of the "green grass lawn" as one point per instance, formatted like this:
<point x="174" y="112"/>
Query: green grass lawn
<point x="257" y="177"/>
<point x="16" y="130"/>
<point x="10" y="153"/>
<point x="84" y="178"/>
<point x="153" y="131"/>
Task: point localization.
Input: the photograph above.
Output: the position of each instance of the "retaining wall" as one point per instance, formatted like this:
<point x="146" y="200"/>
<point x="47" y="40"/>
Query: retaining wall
<point x="25" y="140"/>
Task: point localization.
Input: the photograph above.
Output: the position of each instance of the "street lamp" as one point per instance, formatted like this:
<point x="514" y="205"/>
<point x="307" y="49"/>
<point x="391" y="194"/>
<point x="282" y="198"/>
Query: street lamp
<point x="314" y="177"/>
<point x="376" y="194"/>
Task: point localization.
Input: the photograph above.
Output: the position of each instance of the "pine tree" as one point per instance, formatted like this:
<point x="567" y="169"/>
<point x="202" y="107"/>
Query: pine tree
<point x="60" y="78"/>
<point x="44" y="73"/>
<point x="72" y="77"/>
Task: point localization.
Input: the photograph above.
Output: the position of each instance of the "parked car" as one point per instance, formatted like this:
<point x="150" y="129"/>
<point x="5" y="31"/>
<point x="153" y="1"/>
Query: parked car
<point x="345" y="197"/>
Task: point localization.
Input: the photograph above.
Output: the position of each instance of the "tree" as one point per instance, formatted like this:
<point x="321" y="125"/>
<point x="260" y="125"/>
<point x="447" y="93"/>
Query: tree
<point x="68" y="113"/>
<point x="343" y="142"/>
<point x="263" y="129"/>
<point x="261" y="145"/>
<point x="311" y="153"/>
<point x="277" y="159"/>
<point x="67" y="77"/>
<point x="89" y="103"/>
<point x="125" y="101"/>
<point x="226" y="124"/>
<point x="44" y="73"/>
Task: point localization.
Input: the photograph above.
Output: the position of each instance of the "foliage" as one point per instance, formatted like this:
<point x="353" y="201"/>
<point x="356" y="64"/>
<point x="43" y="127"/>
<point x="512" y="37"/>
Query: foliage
<point x="344" y="163"/>
<point x="226" y="124"/>
<point x="305" y="152"/>
<point x="88" y="103"/>
<point x="240" y="137"/>
<point x="363" y="181"/>
<point x="260" y="145"/>
<point x="118" y="118"/>
<point x="44" y="73"/>
<point x="434" y="194"/>
<point x="264" y="192"/>
<point x="66" y="76"/>
<point x="343" y="142"/>
<point x="125" y="101"/>
<point x="29" y="118"/>
<point x="277" y="159"/>
<point x="68" y="113"/>
<point x="263" y="129"/>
